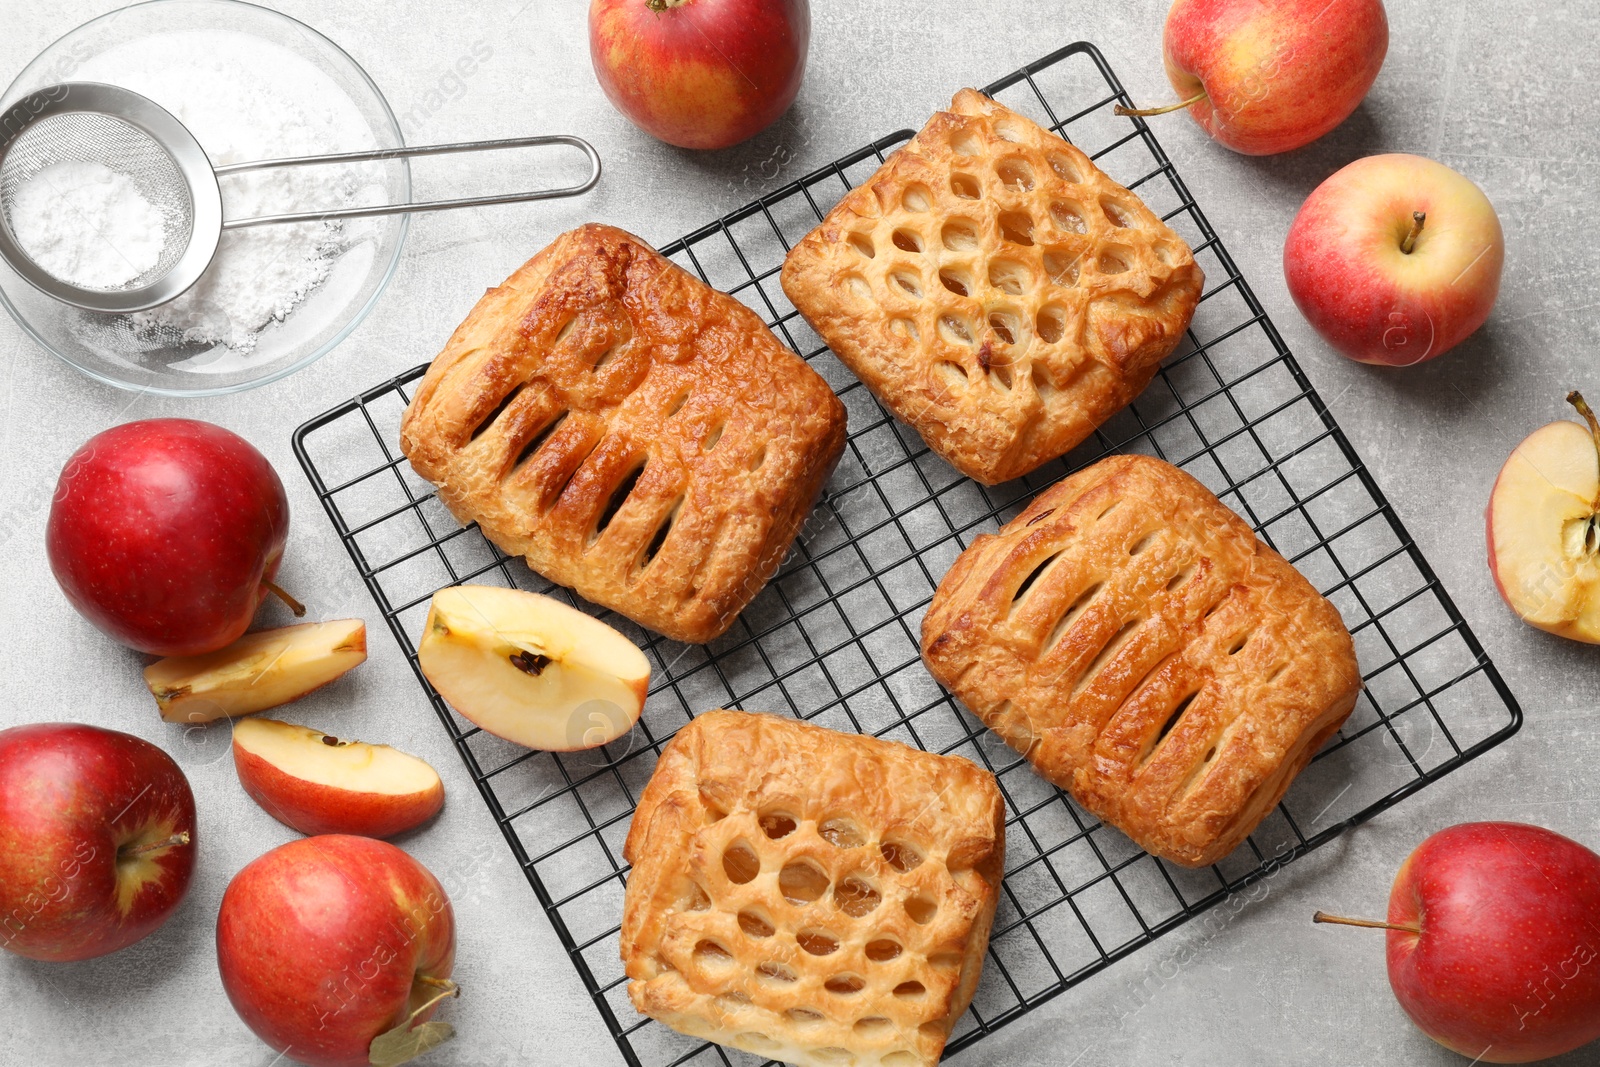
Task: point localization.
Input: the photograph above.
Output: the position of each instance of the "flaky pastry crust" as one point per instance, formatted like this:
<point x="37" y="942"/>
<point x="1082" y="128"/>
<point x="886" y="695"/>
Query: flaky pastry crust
<point x="808" y="895"/>
<point x="1135" y="640"/>
<point x="995" y="290"/>
<point x="638" y="436"/>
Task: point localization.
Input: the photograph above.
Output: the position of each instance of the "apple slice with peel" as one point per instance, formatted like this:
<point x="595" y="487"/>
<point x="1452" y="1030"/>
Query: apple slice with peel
<point x="319" y="784"/>
<point x="257" y="672"/>
<point x="532" y="670"/>
<point x="1544" y="528"/>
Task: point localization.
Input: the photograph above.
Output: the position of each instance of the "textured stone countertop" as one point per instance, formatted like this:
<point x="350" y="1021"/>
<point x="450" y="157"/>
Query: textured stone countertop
<point x="1501" y="91"/>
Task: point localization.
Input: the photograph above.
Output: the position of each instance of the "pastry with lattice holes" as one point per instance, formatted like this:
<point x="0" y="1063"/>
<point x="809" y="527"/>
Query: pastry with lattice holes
<point x="635" y="434"/>
<point x="1134" y="639"/>
<point x="817" y="897"/>
<point x="995" y="290"/>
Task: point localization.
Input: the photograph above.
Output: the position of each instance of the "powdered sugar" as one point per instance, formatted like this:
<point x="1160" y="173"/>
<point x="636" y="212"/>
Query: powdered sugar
<point x="87" y="224"/>
<point x="246" y="99"/>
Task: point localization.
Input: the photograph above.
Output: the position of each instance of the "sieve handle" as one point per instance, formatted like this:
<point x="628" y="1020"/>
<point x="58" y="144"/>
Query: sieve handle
<point x="405" y="153"/>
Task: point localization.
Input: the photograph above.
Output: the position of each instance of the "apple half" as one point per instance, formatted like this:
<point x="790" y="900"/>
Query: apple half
<point x="259" y="671"/>
<point x="531" y="669"/>
<point x="319" y="784"/>
<point x="1544" y="528"/>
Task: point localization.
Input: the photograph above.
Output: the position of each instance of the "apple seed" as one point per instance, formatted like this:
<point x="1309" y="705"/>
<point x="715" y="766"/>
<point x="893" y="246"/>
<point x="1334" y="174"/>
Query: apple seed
<point x="530" y="662"/>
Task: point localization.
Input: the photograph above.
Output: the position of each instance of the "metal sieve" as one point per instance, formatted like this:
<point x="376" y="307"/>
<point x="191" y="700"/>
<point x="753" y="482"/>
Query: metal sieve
<point x="123" y="131"/>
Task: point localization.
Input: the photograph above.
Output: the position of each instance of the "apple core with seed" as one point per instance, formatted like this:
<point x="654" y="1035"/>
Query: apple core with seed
<point x="531" y="669"/>
<point x="1543" y="524"/>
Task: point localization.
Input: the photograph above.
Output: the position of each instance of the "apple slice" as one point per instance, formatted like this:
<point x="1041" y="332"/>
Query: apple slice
<point x="1544" y="528"/>
<point x="319" y="784"/>
<point x="531" y="669"/>
<point x="256" y="672"/>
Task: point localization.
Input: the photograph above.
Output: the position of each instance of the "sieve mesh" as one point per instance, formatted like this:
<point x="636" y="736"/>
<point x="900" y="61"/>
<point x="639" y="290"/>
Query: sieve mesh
<point x="84" y="137"/>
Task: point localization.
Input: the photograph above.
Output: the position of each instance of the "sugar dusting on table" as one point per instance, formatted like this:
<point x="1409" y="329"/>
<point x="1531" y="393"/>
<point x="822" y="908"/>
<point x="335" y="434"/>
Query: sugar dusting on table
<point x="245" y="99"/>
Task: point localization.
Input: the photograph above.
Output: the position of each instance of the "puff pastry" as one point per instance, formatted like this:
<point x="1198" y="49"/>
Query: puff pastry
<point x="995" y="290"/>
<point x="635" y="434"/>
<point x="1135" y="640"/>
<point x="815" y="897"/>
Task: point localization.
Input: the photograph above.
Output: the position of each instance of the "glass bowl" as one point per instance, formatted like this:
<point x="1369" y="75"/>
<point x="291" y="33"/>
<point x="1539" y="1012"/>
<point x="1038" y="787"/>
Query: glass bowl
<point x="111" y="348"/>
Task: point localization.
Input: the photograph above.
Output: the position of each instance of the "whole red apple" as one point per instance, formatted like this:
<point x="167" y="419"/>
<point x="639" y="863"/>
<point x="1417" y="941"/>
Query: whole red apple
<point x="166" y="534"/>
<point x="1493" y="942"/>
<point x="1268" y="78"/>
<point x="97" y="840"/>
<point x="700" y="73"/>
<point x="329" y="943"/>
<point x="1395" y="259"/>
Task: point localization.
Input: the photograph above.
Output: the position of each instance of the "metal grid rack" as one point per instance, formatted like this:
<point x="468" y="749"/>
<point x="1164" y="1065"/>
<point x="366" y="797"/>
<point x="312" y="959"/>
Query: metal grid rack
<point x="833" y="638"/>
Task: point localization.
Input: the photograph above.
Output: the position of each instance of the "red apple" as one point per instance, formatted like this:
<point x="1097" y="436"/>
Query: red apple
<point x="1493" y="946"/>
<point x="700" y="73"/>
<point x="1395" y="259"/>
<point x="97" y="840"/>
<point x="1268" y="78"/>
<point x="319" y="784"/>
<point x="166" y="534"/>
<point x="330" y="944"/>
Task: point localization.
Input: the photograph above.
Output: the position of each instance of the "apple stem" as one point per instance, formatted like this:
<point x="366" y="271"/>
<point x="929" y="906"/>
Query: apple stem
<point x="412" y="1038"/>
<point x="1370" y="924"/>
<point x="1410" y="242"/>
<point x="181" y="838"/>
<point x="295" y="606"/>
<point x="446" y="989"/>
<point x="1147" y="112"/>
<point x="658" y="6"/>
<point x="1576" y="399"/>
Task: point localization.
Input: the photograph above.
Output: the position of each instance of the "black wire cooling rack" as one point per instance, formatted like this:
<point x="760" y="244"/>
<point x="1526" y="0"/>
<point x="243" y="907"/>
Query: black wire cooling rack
<point x="833" y="638"/>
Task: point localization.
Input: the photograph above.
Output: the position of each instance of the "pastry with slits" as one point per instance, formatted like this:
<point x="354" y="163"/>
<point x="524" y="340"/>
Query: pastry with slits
<point x="816" y="897"/>
<point x="995" y="290"/>
<point x="638" y="436"/>
<point x="1135" y="640"/>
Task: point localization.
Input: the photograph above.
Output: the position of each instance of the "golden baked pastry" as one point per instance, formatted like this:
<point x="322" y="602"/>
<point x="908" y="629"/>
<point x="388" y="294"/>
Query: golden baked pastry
<point x="809" y="895"/>
<point x="1134" y="639"/>
<point x="637" y="435"/>
<point x="995" y="290"/>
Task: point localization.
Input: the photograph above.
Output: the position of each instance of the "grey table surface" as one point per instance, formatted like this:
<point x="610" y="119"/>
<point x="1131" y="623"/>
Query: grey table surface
<point x="1501" y="91"/>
